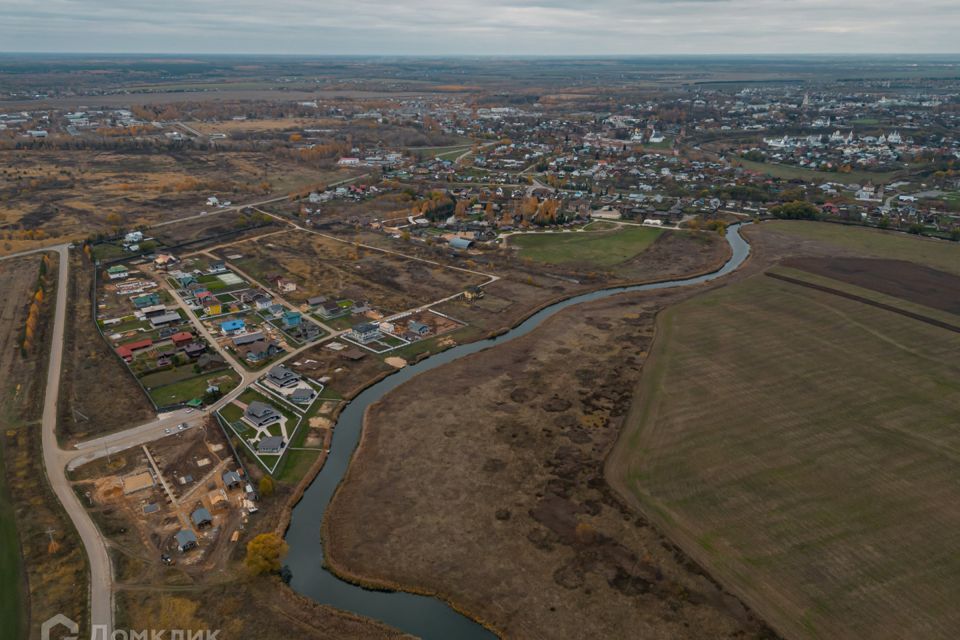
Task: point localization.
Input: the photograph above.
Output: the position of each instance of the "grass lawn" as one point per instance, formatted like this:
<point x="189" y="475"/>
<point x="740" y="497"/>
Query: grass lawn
<point x="169" y="376"/>
<point x="11" y="576"/>
<point x="231" y="413"/>
<point x="295" y="465"/>
<point x="190" y="388"/>
<point x="803" y="448"/>
<point x="790" y="172"/>
<point x="604" y="249"/>
<point x="888" y="244"/>
<point x="108" y="251"/>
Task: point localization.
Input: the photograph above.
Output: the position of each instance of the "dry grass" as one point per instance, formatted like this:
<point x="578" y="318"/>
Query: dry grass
<point x="863" y="241"/>
<point x="90" y="367"/>
<point x="339" y="270"/>
<point x="803" y="447"/>
<point x="482" y="481"/>
<point x="55" y="574"/>
<point x="72" y="194"/>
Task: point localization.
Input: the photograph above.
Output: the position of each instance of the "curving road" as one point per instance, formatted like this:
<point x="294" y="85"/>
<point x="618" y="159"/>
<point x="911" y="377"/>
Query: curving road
<point x="54" y="461"/>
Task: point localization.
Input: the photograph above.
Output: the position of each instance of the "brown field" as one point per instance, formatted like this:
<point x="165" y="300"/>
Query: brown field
<point x="486" y="478"/>
<point x="213" y="225"/>
<point x="73" y="194"/>
<point x="511" y="485"/>
<point x="798" y="444"/>
<point x="324" y="266"/>
<point x="898" y="278"/>
<point x="53" y="576"/>
<point x="90" y="367"/>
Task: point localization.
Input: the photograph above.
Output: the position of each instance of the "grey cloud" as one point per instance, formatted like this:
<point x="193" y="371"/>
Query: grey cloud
<point x="492" y="27"/>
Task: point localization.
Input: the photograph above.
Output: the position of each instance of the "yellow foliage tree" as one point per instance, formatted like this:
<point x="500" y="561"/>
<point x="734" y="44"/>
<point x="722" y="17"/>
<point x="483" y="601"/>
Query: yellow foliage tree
<point x="265" y="552"/>
<point x="266" y="486"/>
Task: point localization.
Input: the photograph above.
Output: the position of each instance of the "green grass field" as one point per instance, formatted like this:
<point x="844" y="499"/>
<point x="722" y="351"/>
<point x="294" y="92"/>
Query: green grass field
<point x="190" y="388"/>
<point x="790" y="172"/>
<point x="804" y="448"/>
<point x="294" y="465"/>
<point x="893" y="245"/>
<point x="604" y="249"/>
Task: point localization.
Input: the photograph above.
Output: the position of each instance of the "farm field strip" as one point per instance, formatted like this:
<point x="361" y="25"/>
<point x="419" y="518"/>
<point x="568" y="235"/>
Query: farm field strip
<point x="917" y="312"/>
<point x="803" y="475"/>
<point x="892" y="245"/>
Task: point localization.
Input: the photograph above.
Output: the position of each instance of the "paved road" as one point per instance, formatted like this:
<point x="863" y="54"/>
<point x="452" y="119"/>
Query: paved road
<point x="55" y="247"/>
<point x="101" y="592"/>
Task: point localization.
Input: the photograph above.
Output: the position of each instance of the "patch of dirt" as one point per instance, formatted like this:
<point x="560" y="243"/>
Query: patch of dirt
<point x="899" y="278"/>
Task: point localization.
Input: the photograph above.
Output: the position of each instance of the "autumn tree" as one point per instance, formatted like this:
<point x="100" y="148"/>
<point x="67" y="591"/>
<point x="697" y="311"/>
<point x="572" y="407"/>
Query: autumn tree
<point x="266" y="486"/>
<point x="265" y="552"/>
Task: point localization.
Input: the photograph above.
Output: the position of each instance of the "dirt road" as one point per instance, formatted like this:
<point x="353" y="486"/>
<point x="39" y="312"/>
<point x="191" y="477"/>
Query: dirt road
<point x="101" y="591"/>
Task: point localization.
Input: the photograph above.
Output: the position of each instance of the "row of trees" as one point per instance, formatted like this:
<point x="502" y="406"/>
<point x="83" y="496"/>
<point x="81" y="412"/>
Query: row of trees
<point x="31" y="326"/>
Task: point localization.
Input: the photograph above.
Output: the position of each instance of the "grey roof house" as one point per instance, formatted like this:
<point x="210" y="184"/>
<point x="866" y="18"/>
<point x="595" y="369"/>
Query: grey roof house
<point x="260" y="414"/>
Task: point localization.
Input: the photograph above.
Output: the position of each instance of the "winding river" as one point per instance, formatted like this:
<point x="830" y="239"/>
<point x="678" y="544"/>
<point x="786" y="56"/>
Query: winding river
<point x="417" y="615"/>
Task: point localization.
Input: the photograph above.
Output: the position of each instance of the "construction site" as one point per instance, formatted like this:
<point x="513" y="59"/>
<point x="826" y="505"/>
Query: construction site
<point x="183" y="501"/>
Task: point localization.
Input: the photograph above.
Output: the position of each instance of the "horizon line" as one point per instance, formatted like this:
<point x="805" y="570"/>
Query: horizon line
<point x="912" y="54"/>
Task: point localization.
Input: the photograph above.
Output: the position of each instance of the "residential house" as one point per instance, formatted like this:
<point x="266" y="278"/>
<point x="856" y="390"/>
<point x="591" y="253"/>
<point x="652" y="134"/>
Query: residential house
<point x="284" y="285"/>
<point x="186" y="540"/>
<point x="365" y="332"/>
<point x="270" y="445"/>
<point x="212" y="307"/>
<point x="472" y="293"/>
<point x="194" y="349"/>
<point x="307" y="331"/>
<point x="185" y="279"/>
<point x="126" y="351"/>
<point x="201" y="518"/>
<point x="181" y="338"/>
<point x="117" y="272"/>
<point x="232" y="327"/>
<point x="165" y="319"/>
<point x="260" y="414"/>
<point x="303" y="395"/>
<point x="283" y="378"/>
<point x="260" y="351"/>
<point x="210" y="361"/>
<point x="330" y="310"/>
<point x="146" y="300"/>
<point x="418" y="328"/>
<point x="244" y="339"/>
<point x="291" y="319"/>
<point x="231" y="479"/>
<point x="163" y="262"/>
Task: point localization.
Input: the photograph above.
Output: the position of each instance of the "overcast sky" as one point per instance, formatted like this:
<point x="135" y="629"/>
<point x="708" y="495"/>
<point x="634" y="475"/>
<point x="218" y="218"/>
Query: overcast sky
<point x="504" y="27"/>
